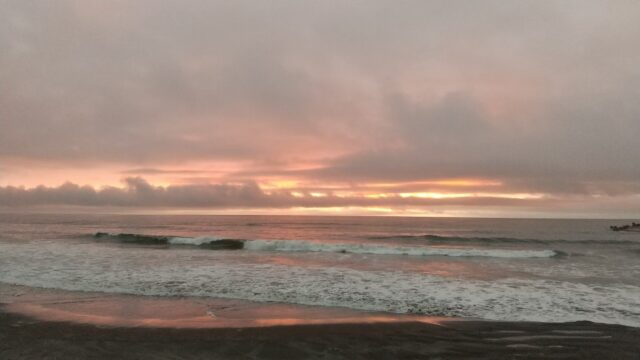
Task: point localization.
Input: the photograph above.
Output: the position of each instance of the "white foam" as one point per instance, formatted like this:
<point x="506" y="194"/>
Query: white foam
<point x="192" y="241"/>
<point x="95" y="267"/>
<point x="374" y="249"/>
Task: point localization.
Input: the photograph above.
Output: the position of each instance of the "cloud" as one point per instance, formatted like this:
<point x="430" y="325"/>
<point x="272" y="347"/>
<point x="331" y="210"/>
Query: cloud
<point x="137" y="192"/>
<point x="539" y="96"/>
<point x="154" y="171"/>
<point x="456" y="137"/>
<point x="129" y="83"/>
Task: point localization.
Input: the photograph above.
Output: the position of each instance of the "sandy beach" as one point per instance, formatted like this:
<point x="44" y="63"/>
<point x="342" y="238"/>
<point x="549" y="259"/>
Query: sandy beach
<point x="25" y="338"/>
<point x="45" y="324"/>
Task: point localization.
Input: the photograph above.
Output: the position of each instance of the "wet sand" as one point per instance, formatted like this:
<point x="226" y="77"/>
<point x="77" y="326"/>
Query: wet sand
<point x="25" y="338"/>
<point x="85" y="326"/>
<point x="119" y="310"/>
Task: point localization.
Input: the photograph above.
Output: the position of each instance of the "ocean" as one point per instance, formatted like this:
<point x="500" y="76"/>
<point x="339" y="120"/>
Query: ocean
<point x="495" y="269"/>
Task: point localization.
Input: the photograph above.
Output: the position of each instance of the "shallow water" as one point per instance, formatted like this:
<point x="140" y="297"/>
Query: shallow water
<point x="540" y="270"/>
<point x="116" y="310"/>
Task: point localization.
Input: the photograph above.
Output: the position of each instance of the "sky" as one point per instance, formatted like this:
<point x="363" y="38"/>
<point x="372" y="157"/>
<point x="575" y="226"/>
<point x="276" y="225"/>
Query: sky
<point x="416" y="108"/>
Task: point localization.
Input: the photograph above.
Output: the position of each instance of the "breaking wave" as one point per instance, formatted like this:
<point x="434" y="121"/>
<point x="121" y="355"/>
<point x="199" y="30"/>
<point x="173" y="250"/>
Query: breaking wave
<point x="207" y="242"/>
<point x="369" y="249"/>
<point x="439" y="239"/>
<point x="217" y="243"/>
<point x="86" y="267"/>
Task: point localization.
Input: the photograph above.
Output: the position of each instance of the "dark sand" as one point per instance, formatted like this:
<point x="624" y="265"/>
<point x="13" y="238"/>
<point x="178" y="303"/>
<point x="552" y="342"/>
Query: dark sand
<point x="25" y="338"/>
<point x="50" y="324"/>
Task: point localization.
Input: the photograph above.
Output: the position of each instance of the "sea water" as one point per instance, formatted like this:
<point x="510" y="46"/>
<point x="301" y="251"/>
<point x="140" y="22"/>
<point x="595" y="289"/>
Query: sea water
<point x="498" y="269"/>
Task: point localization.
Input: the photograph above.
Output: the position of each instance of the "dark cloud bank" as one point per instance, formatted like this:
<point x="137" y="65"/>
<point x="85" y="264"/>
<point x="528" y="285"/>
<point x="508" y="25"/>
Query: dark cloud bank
<point x="139" y="193"/>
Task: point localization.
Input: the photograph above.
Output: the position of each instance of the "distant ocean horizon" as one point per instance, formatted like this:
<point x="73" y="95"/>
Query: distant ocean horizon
<point x="484" y="268"/>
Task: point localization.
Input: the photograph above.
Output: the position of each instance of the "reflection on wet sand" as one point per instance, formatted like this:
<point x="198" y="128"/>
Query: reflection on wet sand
<point x="137" y="311"/>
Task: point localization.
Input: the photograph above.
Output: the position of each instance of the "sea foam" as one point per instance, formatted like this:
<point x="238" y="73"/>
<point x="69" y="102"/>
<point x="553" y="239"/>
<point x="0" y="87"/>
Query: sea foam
<point x="93" y="267"/>
<point x="373" y="249"/>
<point x="196" y="241"/>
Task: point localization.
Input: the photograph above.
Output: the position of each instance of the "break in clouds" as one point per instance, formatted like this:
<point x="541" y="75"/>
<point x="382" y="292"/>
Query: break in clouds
<point x="138" y="192"/>
<point x="540" y="97"/>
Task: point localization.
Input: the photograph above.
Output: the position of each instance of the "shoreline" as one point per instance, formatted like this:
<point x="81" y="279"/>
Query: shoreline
<point x="175" y="328"/>
<point x="22" y="337"/>
<point x="125" y="310"/>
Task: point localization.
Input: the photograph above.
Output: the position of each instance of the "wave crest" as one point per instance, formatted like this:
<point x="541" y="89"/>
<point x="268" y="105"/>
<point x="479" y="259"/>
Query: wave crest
<point x="206" y="242"/>
<point x="218" y="243"/>
<point x="370" y="249"/>
<point x="441" y="239"/>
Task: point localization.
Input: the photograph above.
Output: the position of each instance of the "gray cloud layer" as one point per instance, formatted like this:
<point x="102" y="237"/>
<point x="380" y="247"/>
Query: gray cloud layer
<point x="542" y="95"/>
